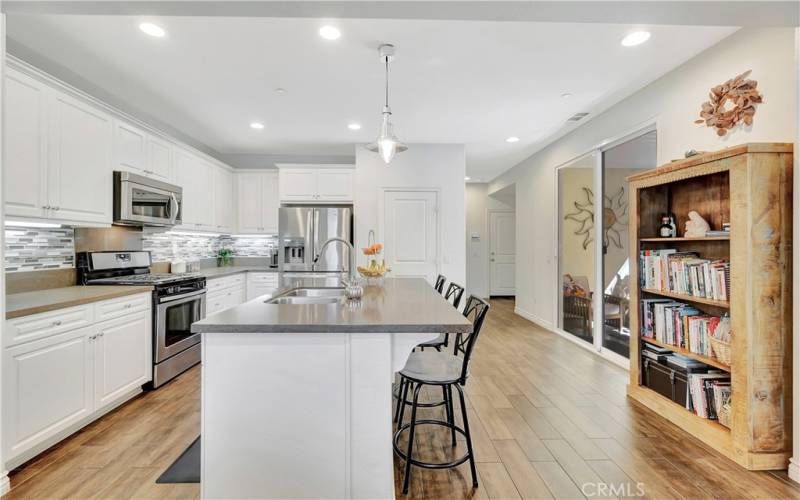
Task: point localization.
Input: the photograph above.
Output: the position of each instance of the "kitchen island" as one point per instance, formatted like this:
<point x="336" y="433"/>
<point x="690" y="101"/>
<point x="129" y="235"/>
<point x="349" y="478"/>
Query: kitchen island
<point x="297" y="397"/>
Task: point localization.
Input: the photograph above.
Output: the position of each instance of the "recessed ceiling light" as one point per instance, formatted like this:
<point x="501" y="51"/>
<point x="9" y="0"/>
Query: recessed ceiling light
<point x="566" y="95"/>
<point x="467" y="178"/>
<point x="512" y="139"/>
<point x="280" y="91"/>
<point x="257" y="125"/>
<point x="152" y="30"/>
<point x="354" y="126"/>
<point x="330" y="32"/>
<point x="635" y="38"/>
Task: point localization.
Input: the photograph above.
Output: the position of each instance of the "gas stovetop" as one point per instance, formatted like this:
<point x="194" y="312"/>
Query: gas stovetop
<point x="144" y="279"/>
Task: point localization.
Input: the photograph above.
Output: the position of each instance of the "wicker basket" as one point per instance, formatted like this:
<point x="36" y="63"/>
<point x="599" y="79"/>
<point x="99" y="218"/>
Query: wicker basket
<point x="721" y="350"/>
<point x="724" y="415"/>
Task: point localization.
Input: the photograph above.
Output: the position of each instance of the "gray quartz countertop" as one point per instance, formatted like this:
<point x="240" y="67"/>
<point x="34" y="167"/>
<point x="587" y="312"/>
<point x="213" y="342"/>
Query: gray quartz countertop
<point x="27" y="303"/>
<point x="219" y="272"/>
<point x="401" y="305"/>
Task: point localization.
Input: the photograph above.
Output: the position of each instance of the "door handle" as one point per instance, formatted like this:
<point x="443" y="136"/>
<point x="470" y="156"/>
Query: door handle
<point x="491" y="260"/>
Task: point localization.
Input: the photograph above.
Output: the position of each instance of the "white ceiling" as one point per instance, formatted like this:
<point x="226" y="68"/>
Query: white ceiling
<point x="470" y="82"/>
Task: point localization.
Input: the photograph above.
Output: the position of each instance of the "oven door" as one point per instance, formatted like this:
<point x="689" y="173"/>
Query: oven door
<point x="173" y="322"/>
<point x="138" y="203"/>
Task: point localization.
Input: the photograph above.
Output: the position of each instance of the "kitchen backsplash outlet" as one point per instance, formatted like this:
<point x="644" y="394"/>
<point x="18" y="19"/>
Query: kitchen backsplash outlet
<point x="34" y="249"/>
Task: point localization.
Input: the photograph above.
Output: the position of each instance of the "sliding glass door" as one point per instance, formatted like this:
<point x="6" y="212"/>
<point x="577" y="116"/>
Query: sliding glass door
<point x="576" y="255"/>
<point x="593" y="252"/>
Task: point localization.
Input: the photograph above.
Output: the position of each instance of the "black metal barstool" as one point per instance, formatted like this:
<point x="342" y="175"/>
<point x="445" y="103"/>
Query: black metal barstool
<point x="439" y="285"/>
<point x="447" y="371"/>
<point x="453" y="295"/>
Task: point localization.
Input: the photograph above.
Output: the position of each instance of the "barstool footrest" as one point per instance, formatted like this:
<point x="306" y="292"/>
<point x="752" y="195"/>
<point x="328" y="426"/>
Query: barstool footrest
<point x="429" y="465"/>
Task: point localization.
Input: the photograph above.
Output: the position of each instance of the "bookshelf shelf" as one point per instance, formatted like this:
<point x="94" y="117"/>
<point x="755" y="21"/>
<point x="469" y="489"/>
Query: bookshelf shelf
<point x="750" y="188"/>
<point x="688" y="298"/>
<point x="683" y="240"/>
<point x="684" y="352"/>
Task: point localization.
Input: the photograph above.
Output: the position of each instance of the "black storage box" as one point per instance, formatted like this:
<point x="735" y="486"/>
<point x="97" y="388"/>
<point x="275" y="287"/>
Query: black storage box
<point x="666" y="381"/>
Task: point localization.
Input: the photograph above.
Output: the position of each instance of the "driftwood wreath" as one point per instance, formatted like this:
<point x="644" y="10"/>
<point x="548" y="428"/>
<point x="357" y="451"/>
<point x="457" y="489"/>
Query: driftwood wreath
<point x="731" y="103"/>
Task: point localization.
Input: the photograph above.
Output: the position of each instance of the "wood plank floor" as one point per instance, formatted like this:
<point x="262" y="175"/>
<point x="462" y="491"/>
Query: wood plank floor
<point x="549" y="420"/>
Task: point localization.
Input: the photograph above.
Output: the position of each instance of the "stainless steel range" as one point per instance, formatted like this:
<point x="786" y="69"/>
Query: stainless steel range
<point x="178" y="301"/>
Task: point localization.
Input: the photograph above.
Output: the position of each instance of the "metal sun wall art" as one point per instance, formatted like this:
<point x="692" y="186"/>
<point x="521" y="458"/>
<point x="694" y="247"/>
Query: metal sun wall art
<point x="615" y="209"/>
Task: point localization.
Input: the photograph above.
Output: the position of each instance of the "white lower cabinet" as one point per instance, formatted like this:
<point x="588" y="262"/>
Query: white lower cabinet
<point x="259" y="284"/>
<point x="122" y="356"/>
<point x="58" y="381"/>
<point x="47" y="388"/>
<point x="225" y="292"/>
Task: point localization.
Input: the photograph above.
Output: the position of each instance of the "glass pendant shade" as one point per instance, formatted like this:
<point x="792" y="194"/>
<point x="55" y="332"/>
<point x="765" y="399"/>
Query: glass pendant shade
<point x="387" y="145"/>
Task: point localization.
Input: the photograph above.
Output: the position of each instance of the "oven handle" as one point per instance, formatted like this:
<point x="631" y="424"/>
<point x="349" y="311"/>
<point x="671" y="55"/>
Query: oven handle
<point x="164" y="300"/>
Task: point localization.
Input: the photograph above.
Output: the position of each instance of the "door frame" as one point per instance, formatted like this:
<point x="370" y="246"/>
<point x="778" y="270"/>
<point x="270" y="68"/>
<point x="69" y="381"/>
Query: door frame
<point x="382" y="211"/>
<point x="647" y="126"/>
<point x="489" y="212"/>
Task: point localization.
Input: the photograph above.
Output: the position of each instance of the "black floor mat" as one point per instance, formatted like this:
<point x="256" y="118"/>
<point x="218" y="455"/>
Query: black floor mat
<point x="186" y="469"/>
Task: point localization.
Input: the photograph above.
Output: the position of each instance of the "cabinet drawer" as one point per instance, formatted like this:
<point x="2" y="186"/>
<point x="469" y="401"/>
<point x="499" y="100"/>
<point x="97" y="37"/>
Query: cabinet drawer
<point x="223" y="299"/>
<point x="114" y="308"/>
<point x="216" y="284"/>
<point x="46" y="324"/>
<point x="263" y="278"/>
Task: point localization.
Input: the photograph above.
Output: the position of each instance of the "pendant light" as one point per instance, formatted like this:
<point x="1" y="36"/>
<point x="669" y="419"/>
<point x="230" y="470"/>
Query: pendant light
<point x="387" y="145"/>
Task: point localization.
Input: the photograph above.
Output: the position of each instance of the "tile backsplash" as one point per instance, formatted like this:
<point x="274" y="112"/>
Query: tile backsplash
<point x="34" y="249"/>
<point x="168" y="246"/>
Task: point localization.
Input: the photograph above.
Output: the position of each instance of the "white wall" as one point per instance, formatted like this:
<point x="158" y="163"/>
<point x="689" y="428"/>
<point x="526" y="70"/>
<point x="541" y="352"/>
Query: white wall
<point x="673" y="101"/>
<point x="440" y="166"/>
<point x="478" y="203"/>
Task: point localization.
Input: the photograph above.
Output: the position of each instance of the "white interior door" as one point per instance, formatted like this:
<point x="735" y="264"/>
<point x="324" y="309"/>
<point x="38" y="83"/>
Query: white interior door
<point x="502" y="253"/>
<point x="411" y="233"/>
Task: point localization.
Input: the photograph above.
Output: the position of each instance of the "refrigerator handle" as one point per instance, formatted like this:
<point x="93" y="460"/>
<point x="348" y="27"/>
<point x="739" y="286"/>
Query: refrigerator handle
<point x="311" y="232"/>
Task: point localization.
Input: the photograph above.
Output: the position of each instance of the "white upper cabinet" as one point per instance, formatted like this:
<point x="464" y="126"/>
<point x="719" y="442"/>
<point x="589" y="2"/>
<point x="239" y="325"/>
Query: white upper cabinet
<point x="195" y="176"/>
<point x="223" y="200"/>
<point x="79" y="155"/>
<point x="310" y="184"/>
<point x="258" y="203"/>
<point x="24" y="146"/>
<point x="140" y="152"/>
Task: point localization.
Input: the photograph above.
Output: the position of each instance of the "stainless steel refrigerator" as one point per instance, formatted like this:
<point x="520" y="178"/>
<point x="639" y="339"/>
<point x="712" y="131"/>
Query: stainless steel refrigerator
<point x="303" y="230"/>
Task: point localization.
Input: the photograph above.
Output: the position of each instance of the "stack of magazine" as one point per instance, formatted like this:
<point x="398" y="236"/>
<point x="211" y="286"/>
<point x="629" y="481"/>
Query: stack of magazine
<point x="684" y="273"/>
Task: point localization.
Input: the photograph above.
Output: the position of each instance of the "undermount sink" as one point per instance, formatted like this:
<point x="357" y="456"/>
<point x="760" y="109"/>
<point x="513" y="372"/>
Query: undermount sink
<point x="315" y="292"/>
<point x="309" y="296"/>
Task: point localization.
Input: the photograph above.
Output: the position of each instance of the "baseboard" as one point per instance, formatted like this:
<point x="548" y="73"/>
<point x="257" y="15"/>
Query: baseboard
<point x="534" y="318"/>
<point x="794" y="469"/>
<point x="5" y="484"/>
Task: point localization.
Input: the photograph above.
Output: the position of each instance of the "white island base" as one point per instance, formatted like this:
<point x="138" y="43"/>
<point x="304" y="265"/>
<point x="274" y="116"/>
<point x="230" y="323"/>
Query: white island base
<point x="300" y="415"/>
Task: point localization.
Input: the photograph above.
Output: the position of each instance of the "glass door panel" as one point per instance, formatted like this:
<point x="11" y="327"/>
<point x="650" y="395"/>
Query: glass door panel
<point x="619" y="162"/>
<point x="576" y="247"/>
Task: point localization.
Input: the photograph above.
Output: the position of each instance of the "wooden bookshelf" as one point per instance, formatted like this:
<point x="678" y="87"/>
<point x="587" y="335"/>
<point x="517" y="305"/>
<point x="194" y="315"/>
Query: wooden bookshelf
<point x="688" y="298"/>
<point x="750" y="187"/>
<point x="689" y="354"/>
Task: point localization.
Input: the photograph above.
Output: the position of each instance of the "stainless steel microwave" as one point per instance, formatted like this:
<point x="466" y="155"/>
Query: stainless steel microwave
<point x="142" y="201"/>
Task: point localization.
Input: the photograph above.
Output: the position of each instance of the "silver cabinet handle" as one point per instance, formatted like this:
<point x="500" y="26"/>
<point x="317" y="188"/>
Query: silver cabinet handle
<point x="46" y="207"/>
<point x="128" y="306"/>
<point x="56" y="208"/>
<point x="100" y="334"/>
<point x="57" y="322"/>
<point x="93" y="337"/>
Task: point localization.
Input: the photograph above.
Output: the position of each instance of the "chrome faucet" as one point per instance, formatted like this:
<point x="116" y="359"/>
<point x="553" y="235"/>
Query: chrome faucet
<point x="352" y="289"/>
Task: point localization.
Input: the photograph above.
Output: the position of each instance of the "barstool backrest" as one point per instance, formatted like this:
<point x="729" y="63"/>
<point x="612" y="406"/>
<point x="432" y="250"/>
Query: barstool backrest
<point x="475" y="310"/>
<point x="440" y="281"/>
<point x="454" y="294"/>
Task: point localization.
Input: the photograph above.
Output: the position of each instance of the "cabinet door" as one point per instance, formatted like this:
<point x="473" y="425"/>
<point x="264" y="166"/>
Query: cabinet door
<point x="249" y="199"/>
<point x="160" y="159"/>
<point x="335" y="184"/>
<point x="204" y="192"/>
<point x="25" y="145"/>
<point x="47" y="387"/>
<point x="187" y="168"/>
<point x="79" y="176"/>
<point x="270" y="202"/>
<point x="223" y="200"/>
<point x="298" y="184"/>
<point x="122" y="356"/>
<point x="130" y="148"/>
